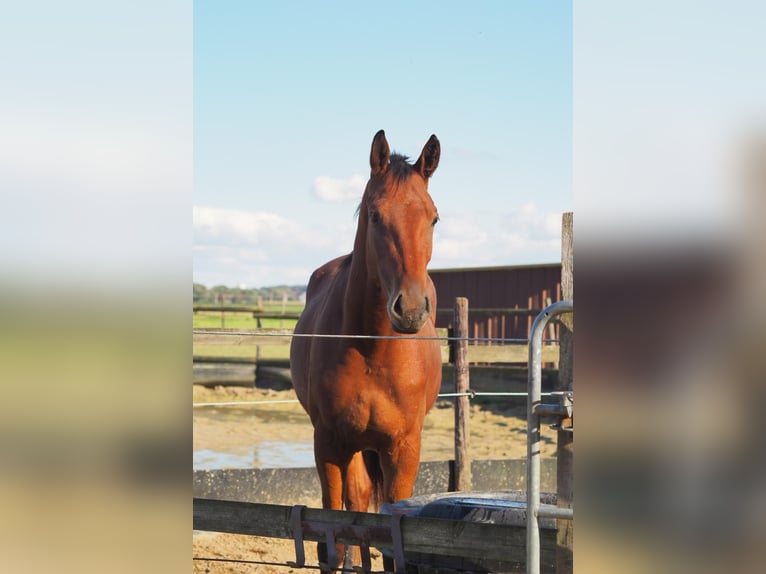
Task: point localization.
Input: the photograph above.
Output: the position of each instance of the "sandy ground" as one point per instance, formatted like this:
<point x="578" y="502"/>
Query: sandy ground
<point x="497" y="431"/>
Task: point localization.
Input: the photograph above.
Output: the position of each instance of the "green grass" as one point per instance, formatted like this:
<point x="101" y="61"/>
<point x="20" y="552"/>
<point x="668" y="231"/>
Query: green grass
<point x="242" y="351"/>
<point x="238" y="320"/>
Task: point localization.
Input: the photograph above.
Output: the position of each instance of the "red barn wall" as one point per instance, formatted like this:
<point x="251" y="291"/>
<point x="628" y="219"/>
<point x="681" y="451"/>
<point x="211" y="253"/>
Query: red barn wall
<point x="521" y="287"/>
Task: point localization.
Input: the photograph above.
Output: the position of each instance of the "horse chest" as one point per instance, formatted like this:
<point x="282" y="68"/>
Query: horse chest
<point x="378" y="400"/>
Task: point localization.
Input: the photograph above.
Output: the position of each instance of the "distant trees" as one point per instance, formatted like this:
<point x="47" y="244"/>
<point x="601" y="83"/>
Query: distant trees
<point x="222" y="295"/>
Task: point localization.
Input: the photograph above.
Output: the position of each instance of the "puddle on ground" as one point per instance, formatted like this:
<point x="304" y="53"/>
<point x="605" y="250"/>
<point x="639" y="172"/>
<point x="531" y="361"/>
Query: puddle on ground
<point x="206" y="459"/>
<point x="268" y="454"/>
<point x="280" y="435"/>
<point x="253" y="437"/>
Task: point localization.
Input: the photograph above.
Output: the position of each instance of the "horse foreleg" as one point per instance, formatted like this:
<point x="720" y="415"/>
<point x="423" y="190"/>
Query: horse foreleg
<point x="358" y="485"/>
<point x="400" y="467"/>
<point x="330" y="468"/>
<point x="357" y="491"/>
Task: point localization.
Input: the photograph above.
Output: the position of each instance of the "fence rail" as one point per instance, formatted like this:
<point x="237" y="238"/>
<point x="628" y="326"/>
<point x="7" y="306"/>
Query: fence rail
<point x="260" y="311"/>
<point x="227" y="308"/>
<point x="424" y="536"/>
<point x="495" y="353"/>
<point x="499" y="321"/>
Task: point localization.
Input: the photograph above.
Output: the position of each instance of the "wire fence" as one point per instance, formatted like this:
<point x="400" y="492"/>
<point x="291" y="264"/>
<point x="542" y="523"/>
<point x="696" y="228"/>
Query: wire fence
<point x="447" y="339"/>
<point x="470" y="394"/>
<point x="289" y="334"/>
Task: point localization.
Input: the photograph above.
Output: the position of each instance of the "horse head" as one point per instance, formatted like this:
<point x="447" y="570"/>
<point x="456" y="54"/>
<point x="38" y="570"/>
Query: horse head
<point x="397" y="218"/>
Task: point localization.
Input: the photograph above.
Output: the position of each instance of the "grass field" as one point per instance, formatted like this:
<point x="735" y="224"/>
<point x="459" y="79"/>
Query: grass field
<point x="245" y="320"/>
<point x="243" y="351"/>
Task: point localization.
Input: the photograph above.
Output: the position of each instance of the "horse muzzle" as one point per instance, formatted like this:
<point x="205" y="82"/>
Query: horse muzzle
<point x="408" y="313"/>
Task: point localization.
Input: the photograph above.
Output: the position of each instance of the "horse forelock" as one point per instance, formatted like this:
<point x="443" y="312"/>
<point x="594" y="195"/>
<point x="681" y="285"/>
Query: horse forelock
<point x="399" y="170"/>
<point x="400" y="167"/>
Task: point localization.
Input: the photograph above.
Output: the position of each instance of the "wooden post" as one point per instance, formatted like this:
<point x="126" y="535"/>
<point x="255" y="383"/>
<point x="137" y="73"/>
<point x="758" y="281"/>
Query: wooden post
<point x="257" y="360"/>
<point x="530" y="305"/>
<point x="490" y="329"/>
<point x="565" y="443"/>
<point x="462" y="458"/>
<point x="551" y="325"/>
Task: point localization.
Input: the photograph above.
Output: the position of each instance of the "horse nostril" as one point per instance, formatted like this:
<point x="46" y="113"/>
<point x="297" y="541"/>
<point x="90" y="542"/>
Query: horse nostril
<point x="398" y="306"/>
<point x="428" y="306"/>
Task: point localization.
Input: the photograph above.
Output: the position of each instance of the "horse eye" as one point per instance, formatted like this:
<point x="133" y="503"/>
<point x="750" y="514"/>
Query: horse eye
<point x="374" y="216"/>
<point x="436" y="220"/>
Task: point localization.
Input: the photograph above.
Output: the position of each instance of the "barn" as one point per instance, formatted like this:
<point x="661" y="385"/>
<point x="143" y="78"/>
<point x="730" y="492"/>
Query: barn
<point x="499" y="298"/>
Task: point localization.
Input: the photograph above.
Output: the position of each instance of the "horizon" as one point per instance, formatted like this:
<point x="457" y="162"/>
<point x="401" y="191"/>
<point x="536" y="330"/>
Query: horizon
<point x="430" y="270"/>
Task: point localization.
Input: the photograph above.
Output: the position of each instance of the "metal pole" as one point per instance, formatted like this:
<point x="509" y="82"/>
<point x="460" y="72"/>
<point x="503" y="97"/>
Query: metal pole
<point x="533" y="430"/>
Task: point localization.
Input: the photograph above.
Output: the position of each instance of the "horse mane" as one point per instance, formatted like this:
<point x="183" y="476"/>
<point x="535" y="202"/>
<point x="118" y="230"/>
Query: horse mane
<point x="400" y="169"/>
<point x="400" y="166"/>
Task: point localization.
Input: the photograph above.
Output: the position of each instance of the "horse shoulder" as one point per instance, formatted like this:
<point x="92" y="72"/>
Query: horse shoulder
<point x="318" y="291"/>
<point x="323" y="277"/>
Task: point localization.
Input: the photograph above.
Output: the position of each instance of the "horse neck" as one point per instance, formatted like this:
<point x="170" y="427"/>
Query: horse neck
<point x="364" y="304"/>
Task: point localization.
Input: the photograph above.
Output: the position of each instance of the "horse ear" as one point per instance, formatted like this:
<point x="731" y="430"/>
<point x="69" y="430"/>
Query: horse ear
<point x="379" y="153"/>
<point x="429" y="157"/>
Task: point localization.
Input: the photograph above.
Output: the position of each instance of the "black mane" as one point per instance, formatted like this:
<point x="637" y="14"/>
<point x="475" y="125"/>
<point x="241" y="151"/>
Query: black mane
<point x="400" y="167"/>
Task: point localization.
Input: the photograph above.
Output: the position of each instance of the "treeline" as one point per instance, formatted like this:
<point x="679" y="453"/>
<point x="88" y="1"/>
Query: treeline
<point x="222" y="295"/>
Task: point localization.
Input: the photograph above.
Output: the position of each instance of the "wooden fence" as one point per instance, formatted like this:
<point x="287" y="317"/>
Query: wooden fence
<point x="430" y="540"/>
<point x="485" y="323"/>
<point x="477" y="353"/>
<point x="213" y="369"/>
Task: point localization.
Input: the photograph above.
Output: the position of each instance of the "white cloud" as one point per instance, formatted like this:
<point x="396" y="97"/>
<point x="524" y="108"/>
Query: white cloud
<point x="261" y="248"/>
<point x="329" y="188"/>
<point x="253" y="266"/>
<point x="525" y="235"/>
<point x="531" y="232"/>
<point x="528" y="220"/>
<point x="459" y="239"/>
<point x="233" y="226"/>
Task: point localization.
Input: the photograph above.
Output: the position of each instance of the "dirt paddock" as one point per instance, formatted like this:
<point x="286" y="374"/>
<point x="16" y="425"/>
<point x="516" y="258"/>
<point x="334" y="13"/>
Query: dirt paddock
<point x="497" y="431"/>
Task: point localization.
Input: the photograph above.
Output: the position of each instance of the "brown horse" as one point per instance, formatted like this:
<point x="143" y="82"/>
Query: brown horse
<point x="370" y="395"/>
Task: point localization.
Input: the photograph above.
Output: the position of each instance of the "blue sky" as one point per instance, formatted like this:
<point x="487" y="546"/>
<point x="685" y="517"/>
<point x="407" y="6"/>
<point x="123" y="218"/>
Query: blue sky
<point x="287" y="98"/>
<point x="119" y="120"/>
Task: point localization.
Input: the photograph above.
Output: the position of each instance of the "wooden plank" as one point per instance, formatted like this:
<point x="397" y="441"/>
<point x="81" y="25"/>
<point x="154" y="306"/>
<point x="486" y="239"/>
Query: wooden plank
<point x="301" y="485"/>
<point x="497" y="312"/>
<point x="264" y="361"/>
<point x="263" y="315"/>
<point x="425" y="535"/>
<point x="565" y="442"/>
<point x="239" y="337"/>
<point x="462" y="407"/>
<point x="476" y="353"/>
<point x="509" y="353"/>
<point x="227" y="308"/>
